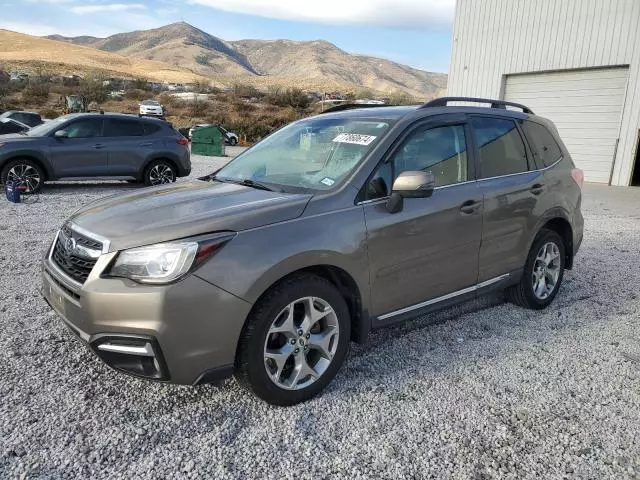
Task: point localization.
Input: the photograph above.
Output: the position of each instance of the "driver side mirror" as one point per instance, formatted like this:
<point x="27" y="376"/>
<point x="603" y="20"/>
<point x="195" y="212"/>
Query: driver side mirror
<point x="411" y="184"/>
<point x="61" y="134"/>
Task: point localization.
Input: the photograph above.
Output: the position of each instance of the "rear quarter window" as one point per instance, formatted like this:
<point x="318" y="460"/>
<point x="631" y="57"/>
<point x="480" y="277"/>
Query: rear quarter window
<point x="545" y="148"/>
<point x="151" y="128"/>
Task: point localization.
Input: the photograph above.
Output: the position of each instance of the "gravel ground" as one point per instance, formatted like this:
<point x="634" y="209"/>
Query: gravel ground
<point x="484" y="390"/>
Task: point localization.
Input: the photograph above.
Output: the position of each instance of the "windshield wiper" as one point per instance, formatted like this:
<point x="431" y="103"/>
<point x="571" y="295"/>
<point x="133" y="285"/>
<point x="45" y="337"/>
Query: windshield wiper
<point x="245" y="181"/>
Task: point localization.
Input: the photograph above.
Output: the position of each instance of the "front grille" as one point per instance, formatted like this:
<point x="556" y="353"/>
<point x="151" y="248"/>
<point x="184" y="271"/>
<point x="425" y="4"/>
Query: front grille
<point x="81" y="239"/>
<point x="73" y="260"/>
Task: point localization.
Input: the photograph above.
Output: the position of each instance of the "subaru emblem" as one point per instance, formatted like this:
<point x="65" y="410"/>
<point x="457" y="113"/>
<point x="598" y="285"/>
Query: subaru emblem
<point x="70" y="244"/>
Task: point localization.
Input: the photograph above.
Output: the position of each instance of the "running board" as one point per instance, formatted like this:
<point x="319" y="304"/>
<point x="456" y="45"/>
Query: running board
<point x="443" y="298"/>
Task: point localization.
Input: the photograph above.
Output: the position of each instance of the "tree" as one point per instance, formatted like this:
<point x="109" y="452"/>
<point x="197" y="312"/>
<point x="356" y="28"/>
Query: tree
<point x="93" y="89"/>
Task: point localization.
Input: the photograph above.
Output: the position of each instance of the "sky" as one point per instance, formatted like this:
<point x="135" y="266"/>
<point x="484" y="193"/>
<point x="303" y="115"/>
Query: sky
<point x="412" y="32"/>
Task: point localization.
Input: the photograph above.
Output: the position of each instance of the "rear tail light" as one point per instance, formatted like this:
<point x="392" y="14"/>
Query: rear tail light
<point x="578" y="176"/>
<point x="183" y="141"/>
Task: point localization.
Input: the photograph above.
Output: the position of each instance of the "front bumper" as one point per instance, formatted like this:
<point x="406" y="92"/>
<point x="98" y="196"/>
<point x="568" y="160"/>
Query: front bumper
<point x="185" y="333"/>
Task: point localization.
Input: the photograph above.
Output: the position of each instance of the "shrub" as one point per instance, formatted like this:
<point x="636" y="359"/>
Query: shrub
<point x="244" y="107"/>
<point x="50" y="113"/>
<point x="246" y="91"/>
<point x="92" y="89"/>
<point x="202" y="59"/>
<point x="136" y="94"/>
<point x="140" y="84"/>
<point x="290" y="97"/>
<point x="198" y="108"/>
<point x="401" y="98"/>
<point x="36" y="93"/>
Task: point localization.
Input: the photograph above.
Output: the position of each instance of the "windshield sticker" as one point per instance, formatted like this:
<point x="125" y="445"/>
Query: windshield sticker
<point x="354" y="138"/>
<point x="328" y="181"/>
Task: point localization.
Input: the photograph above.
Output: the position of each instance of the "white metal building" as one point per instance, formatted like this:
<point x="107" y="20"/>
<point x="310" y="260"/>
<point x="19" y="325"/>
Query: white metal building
<point x="576" y="62"/>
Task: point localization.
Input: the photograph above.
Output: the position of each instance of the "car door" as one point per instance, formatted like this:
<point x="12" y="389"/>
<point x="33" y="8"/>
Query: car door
<point x="126" y="145"/>
<point x="430" y="248"/>
<point x="81" y="153"/>
<point x="511" y="187"/>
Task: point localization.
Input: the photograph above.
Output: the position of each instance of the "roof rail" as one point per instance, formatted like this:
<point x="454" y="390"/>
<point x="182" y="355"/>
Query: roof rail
<point x="502" y="104"/>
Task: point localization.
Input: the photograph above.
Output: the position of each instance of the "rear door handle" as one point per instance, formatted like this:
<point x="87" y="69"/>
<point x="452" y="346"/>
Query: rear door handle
<point x="537" y="188"/>
<point x="146" y="144"/>
<point x="470" y="207"/>
<point x="98" y="146"/>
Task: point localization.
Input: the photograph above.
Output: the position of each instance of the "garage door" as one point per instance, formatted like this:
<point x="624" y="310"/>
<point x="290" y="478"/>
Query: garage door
<point x="585" y="105"/>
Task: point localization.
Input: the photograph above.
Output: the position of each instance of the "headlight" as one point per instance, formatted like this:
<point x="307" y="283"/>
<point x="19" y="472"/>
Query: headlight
<point x="165" y="262"/>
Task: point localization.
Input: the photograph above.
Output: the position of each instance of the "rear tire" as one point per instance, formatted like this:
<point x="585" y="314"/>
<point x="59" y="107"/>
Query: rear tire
<point x="25" y="172"/>
<point x="295" y="340"/>
<point x="543" y="273"/>
<point x="159" y="172"/>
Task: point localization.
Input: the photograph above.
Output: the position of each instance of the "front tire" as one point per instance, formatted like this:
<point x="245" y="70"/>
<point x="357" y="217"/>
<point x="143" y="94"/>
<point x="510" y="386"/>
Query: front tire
<point x="295" y="340"/>
<point x="25" y="173"/>
<point x="233" y="141"/>
<point x="159" y="172"/>
<point x="543" y="273"/>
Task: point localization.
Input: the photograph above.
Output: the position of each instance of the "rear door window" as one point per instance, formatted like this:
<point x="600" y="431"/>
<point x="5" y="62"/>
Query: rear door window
<point x="123" y="128"/>
<point x="545" y="148"/>
<point x="502" y="150"/>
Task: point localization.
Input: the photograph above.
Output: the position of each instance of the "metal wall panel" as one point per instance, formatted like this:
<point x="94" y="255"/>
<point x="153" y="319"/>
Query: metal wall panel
<point x="497" y="38"/>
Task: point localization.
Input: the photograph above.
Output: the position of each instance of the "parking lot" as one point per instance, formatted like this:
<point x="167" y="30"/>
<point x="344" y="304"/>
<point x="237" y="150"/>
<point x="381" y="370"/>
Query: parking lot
<point x="483" y="390"/>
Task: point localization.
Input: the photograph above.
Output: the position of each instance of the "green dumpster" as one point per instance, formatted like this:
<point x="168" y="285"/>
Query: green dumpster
<point x="207" y="141"/>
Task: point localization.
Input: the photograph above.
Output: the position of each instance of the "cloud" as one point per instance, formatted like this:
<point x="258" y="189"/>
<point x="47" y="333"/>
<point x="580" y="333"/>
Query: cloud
<point x="107" y="7"/>
<point x="391" y="13"/>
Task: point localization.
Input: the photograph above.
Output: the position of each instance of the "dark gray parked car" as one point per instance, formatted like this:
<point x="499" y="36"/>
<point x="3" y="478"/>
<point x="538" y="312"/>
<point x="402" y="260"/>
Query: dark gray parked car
<point x="87" y="145"/>
<point x="331" y="227"/>
<point x="32" y="119"/>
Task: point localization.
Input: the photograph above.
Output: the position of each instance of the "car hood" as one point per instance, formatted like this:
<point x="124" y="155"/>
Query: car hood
<point x="16" y="137"/>
<point x="160" y="214"/>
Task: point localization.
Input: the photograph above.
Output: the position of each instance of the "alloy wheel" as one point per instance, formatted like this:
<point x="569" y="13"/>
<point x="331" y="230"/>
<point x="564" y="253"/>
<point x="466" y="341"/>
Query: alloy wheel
<point x="161" y="174"/>
<point x="301" y="343"/>
<point x="546" y="270"/>
<point x="24" y="175"/>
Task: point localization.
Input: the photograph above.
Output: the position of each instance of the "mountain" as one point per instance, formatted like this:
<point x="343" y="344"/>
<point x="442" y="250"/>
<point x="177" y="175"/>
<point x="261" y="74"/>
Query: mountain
<point x="319" y="62"/>
<point x="321" y="59"/>
<point x="24" y="52"/>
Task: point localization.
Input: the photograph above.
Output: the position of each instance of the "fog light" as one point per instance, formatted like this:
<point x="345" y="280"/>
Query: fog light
<point x="137" y="356"/>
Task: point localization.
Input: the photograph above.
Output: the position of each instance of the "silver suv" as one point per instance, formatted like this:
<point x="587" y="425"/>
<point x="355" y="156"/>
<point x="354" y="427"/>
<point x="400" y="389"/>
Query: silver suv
<point x="85" y="145"/>
<point x="329" y="228"/>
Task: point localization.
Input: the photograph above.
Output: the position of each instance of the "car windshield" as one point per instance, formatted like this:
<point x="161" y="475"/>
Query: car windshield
<point x="312" y="154"/>
<point x="46" y="127"/>
<point x="150" y="102"/>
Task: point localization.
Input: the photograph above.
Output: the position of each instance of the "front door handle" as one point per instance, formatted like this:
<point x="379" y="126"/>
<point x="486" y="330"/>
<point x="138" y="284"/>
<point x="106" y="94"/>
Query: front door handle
<point x="470" y="207"/>
<point x="146" y="144"/>
<point x="537" y="188"/>
<point x="98" y="146"/>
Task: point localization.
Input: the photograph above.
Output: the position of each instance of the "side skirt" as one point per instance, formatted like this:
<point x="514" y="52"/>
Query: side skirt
<point x="445" y="301"/>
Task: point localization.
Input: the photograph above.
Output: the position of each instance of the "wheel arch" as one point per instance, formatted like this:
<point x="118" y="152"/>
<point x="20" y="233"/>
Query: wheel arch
<point x="348" y="287"/>
<point x="163" y="157"/>
<point x="37" y="159"/>
<point x="562" y="226"/>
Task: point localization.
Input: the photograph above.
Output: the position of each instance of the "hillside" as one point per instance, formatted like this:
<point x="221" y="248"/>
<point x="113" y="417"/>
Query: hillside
<point x="321" y="59"/>
<point x="316" y="63"/>
<point x="27" y="52"/>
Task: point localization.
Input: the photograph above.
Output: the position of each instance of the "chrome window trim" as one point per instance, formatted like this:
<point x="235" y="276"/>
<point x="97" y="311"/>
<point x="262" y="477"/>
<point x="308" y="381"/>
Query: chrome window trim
<point x="448" y="296"/>
<point x="522" y="173"/>
<point x="366" y="202"/>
